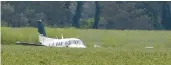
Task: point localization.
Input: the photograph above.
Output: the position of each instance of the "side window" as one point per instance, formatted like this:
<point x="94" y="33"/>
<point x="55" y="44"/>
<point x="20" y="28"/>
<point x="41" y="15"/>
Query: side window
<point x="60" y="44"/>
<point x="66" y="43"/>
<point x="69" y="42"/>
<point x="52" y="44"/>
<point x="75" y="41"/>
<point x="57" y="43"/>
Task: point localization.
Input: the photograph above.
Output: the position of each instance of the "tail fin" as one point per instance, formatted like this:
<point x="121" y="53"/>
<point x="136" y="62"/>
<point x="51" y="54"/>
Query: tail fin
<point x="41" y="29"/>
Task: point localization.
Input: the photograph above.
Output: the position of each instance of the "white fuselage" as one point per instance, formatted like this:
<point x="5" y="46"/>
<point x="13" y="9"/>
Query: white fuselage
<point x="66" y="42"/>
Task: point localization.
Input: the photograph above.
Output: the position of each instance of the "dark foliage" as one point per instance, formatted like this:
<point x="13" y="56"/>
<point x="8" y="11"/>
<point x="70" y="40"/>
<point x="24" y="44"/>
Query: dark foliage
<point x="107" y="15"/>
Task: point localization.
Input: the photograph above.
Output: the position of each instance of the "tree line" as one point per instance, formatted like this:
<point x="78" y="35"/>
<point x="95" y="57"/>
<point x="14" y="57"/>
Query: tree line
<point x="144" y="15"/>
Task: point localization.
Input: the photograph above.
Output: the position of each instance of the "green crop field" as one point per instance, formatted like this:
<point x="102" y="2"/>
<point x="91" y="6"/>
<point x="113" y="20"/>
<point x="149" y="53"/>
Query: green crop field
<point x="118" y="47"/>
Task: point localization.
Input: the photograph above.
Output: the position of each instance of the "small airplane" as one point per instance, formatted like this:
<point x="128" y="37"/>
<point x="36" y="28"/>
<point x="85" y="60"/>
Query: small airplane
<point x="53" y="42"/>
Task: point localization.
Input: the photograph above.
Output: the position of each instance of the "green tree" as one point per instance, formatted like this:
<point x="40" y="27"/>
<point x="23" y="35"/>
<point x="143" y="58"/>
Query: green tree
<point x="77" y="15"/>
<point x="7" y="11"/>
<point x="152" y="9"/>
<point x="125" y="15"/>
<point x="97" y="15"/>
<point x="166" y="16"/>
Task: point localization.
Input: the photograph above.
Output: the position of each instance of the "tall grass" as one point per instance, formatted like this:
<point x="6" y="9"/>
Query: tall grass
<point x="126" y="47"/>
<point x="106" y="38"/>
<point x="28" y="55"/>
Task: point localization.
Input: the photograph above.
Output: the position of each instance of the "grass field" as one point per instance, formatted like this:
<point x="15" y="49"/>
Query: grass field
<point x="127" y="47"/>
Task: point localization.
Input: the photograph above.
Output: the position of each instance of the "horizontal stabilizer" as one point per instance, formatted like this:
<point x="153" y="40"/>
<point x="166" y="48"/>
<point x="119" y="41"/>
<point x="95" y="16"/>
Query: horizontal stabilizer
<point x="28" y="44"/>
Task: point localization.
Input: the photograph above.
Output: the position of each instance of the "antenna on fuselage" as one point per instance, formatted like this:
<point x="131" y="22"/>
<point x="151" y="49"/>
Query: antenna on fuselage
<point x="62" y="36"/>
